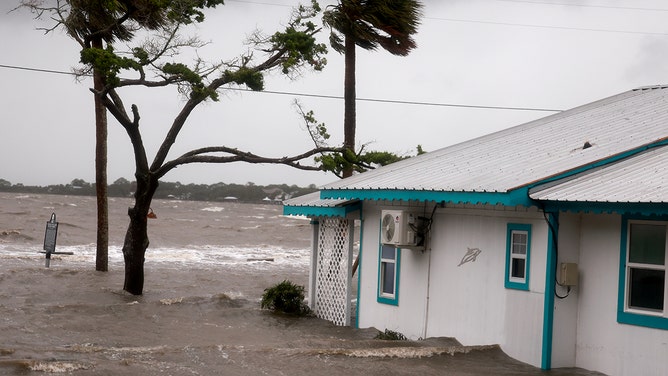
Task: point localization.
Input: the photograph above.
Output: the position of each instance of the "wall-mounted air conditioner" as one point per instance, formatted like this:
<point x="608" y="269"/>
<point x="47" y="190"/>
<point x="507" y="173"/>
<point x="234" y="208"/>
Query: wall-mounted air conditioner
<point x="400" y="228"/>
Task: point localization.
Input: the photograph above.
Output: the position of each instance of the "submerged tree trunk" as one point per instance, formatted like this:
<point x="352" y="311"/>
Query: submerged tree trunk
<point x="102" y="250"/>
<point x="350" y="111"/>
<point x="136" y="238"/>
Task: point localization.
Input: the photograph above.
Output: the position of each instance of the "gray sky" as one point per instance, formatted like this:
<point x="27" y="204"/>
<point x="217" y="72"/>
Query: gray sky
<point x="552" y="54"/>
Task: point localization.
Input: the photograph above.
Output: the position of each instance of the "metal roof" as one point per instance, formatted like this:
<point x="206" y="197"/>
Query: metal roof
<point x="642" y="178"/>
<point x="314" y="200"/>
<point x="531" y="152"/>
<point x="311" y="205"/>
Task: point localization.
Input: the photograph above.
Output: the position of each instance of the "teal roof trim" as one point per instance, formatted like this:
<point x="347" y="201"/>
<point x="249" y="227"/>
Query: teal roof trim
<point x="320" y="211"/>
<point x="639" y="208"/>
<point x="511" y="198"/>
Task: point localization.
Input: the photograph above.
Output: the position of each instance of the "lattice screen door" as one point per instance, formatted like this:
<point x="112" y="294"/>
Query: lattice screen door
<point x="333" y="270"/>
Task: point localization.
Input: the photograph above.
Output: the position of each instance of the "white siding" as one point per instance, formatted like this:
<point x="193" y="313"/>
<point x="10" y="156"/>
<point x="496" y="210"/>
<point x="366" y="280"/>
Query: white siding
<point x="566" y="309"/>
<point x="602" y="343"/>
<point x="467" y="302"/>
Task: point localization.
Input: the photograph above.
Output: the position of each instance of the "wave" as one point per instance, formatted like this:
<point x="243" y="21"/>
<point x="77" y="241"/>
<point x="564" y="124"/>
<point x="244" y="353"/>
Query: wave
<point x="265" y="257"/>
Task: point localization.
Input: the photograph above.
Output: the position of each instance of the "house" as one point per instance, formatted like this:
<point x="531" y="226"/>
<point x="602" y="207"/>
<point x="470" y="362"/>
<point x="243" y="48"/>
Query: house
<point x="548" y="238"/>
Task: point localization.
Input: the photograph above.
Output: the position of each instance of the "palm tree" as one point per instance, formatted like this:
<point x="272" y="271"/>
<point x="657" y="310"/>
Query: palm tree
<point x="92" y="24"/>
<point x="368" y="24"/>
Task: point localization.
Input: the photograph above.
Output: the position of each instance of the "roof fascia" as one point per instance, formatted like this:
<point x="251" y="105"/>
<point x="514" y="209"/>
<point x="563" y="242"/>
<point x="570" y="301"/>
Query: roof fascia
<point x="629" y="208"/>
<point x="512" y="198"/>
<point x="321" y="211"/>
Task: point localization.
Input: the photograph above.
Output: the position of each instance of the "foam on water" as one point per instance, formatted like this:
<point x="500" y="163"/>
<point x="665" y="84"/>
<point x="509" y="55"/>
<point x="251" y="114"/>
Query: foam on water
<point x="201" y="256"/>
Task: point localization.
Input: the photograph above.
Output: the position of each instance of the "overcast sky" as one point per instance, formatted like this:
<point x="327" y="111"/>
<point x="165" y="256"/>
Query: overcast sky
<point x="552" y="54"/>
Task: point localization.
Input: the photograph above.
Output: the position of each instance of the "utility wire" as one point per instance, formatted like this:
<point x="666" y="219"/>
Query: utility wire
<point x="376" y="100"/>
<point x="548" y="26"/>
<point x="578" y="5"/>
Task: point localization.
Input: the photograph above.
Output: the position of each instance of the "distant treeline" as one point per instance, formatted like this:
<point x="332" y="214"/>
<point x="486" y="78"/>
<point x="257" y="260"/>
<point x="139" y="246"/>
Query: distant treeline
<point x="248" y="192"/>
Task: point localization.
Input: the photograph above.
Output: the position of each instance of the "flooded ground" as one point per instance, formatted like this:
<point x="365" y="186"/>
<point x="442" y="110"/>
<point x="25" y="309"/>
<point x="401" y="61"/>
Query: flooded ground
<point x="200" y="313"/>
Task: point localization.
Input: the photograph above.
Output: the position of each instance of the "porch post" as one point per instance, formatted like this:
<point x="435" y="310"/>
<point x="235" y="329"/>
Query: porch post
<point x="315" y="231"/>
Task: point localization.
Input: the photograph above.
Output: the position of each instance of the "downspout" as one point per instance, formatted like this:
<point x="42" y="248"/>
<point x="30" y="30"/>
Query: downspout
<point x="552" y="220"/>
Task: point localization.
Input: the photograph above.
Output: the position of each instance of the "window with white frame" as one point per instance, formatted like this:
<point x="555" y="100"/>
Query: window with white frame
<point x="646" y="267"/>
<point x="388" y="275"/>
<point x="518" y="251"/>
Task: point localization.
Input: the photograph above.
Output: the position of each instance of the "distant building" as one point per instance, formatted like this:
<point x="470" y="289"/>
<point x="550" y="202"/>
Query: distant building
<point x="548" y="238"/>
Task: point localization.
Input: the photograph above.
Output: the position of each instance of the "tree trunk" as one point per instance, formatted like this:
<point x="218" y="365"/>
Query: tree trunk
<point x="102" y="253"/>
<point x="136" y="237"/>
<point x="350" y="111"/>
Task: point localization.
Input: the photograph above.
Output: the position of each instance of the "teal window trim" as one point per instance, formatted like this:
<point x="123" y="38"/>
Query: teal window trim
<point x="386" y="299"/>
<point x="509" y="283"/>
<point x="634" y="317"/>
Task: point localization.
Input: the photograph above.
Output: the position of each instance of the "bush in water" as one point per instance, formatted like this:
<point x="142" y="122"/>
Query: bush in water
<point x="285" y="297"/>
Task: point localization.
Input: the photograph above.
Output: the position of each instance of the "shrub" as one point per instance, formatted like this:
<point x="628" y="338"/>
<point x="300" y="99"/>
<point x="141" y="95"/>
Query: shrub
<point x="391" y="335"/>
<point x="285" y="297"/>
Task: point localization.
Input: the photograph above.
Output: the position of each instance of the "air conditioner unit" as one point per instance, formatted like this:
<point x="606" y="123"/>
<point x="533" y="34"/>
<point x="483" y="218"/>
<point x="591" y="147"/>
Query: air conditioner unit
<point x="400" y="228"/>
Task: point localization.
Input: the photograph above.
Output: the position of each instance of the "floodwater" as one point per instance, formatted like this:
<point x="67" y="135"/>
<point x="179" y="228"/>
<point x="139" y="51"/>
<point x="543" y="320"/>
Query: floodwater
<point x="206" y="269"/>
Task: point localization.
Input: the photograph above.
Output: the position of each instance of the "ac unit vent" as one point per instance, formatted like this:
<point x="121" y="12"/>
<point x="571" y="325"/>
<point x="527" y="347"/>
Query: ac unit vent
<point x="400" y="228"/>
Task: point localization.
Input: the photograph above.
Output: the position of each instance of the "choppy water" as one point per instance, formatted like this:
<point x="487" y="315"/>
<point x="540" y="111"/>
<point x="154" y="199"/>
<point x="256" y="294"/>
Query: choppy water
<point x="206" y="269"/>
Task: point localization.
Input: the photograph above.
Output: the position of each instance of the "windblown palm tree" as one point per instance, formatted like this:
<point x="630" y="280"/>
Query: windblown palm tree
<point x="368" y="24"/>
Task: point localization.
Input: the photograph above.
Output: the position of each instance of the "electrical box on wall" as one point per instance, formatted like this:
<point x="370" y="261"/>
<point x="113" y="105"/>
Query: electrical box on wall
<point x="568" y="274"/>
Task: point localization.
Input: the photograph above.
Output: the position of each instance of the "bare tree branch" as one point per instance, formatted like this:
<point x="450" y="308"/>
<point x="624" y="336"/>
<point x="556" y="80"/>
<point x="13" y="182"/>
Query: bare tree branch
<point x="203" y="155"/>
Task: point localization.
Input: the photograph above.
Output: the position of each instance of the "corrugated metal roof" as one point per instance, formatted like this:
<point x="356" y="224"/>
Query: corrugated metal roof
<point x="311" y="205"/>
<point x="530" y="152"/>
<point x="642" y="178"/>
<point x="314" y="200"/>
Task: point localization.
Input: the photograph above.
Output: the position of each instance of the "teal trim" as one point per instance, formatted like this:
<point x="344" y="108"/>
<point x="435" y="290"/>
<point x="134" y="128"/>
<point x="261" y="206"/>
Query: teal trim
<point x="319" y="211"/>
<point x="511" y="198"/>
<point x="550" y="281"/>
<point x="508" y="283"/>
<point x="629" y="208"/>
<point x="634" y="318"/>
<point x="397" y="273"/>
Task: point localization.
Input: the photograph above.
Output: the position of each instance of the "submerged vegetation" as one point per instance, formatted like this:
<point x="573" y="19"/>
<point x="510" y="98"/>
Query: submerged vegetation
<point x="391" y="335"/>
<point x="285" y="297"/>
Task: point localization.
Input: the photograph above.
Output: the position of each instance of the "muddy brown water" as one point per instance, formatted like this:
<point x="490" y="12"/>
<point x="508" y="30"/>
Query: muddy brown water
<point x="206" y="270"/>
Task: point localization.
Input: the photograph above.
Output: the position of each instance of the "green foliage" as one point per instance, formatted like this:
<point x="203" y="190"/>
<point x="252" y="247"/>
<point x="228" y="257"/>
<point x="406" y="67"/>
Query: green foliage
<point x="107" y="62"/>
<point x="245" y="76"/>
<point x="299" y="42"/>
<point x="187" y="11"/>
<point x="198" y="89"/>
<point x="374" y="23"/>
<point x="390" y="335"/>
<point x="285" y="297"/>
<point x="363" y="161"/>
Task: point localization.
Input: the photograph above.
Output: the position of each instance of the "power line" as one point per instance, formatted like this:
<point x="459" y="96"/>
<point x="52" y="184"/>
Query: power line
<point x="583" y="5"/>
<point x="547" y="26"/>
<point x="376" y="100"/>
<point x="39" y="70"/>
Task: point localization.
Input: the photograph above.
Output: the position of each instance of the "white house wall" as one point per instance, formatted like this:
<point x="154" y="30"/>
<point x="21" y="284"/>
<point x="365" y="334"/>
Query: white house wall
<point x="468" y="302"/>
<point x="566" y="309"/>
<point x="603" y="343"/>
<point x="406" y="318"/>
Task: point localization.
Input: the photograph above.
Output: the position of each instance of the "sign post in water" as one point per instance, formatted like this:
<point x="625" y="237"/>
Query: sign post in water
<point x="50" y="236"/>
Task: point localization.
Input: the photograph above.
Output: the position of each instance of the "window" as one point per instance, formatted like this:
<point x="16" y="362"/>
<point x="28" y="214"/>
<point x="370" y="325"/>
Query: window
<point x="388" y="275"/>
<point x="643" y="275"/>
<point x="518" y="250"/>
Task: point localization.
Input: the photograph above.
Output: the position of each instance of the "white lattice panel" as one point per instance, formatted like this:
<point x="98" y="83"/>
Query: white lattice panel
<point x="333" y="271"/>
